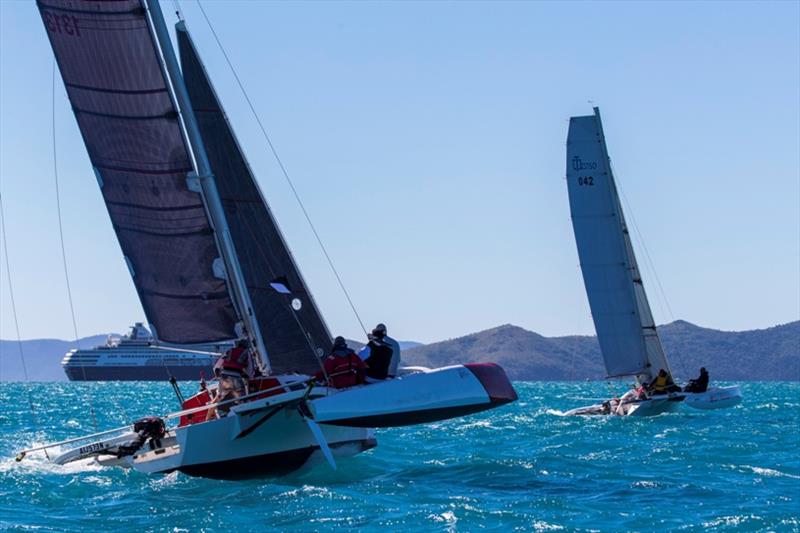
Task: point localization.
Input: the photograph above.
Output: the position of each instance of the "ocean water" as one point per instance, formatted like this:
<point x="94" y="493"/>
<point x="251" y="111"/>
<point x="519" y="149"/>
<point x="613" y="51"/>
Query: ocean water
<point x="518" y="468"/>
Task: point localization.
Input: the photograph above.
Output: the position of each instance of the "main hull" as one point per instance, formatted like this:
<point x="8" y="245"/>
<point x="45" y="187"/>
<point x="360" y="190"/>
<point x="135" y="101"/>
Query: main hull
<point x="273" y="464"/>
<point x="270" y="441"/>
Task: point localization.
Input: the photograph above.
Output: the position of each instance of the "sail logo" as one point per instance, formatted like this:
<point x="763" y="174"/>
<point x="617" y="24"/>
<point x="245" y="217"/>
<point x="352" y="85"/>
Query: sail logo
<point x="578" y="164"/>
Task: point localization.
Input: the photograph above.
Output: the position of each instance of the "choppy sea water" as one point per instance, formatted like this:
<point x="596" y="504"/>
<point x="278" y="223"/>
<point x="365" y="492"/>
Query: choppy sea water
<point x="518" y="468"/>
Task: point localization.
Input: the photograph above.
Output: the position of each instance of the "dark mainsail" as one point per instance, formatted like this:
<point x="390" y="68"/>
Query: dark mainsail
<point x="113" y="75"/>
<point x="293" y="338"/>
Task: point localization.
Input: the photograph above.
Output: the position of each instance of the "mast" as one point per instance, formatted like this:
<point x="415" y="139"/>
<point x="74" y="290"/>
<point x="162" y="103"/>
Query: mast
<point x="206" y="185"/>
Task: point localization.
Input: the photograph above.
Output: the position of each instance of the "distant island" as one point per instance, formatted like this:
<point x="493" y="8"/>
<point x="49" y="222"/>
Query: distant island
<point x="771" y="354"/>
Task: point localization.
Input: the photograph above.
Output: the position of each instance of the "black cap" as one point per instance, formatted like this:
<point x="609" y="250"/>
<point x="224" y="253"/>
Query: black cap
<point x="339" y="342"/>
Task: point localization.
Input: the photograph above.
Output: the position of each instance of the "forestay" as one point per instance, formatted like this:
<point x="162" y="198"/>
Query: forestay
<point x="622" y="317"/>
<point x="293" y="338"/>
<point x="114" y="79"/>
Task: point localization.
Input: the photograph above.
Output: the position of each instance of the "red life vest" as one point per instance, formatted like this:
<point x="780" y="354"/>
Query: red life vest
<point x="344" y="370"/>
<point x="235" y="359"/>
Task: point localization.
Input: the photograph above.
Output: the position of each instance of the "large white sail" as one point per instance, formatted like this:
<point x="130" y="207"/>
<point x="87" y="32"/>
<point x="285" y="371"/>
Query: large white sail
<point x="620" y="310"/>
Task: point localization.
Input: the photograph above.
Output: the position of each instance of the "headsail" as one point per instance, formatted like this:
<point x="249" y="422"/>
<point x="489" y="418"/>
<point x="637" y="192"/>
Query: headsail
<point x="622" y="317"/>
<point x="112" y="72"/>
<point x="293" y="338"/>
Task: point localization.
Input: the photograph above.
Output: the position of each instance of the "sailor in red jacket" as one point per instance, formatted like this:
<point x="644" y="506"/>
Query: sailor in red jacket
<point x="343" y="367"/>
<point x="233" y="370"/>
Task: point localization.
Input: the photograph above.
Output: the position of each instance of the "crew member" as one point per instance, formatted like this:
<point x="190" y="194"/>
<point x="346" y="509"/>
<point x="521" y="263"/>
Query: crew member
<point x="233" y="370"/>
<point x="662" y="384"/>
<point x="700" y="384"/>
<point x="380" y="329"/>
<point x="381" y="354"/>
<point x="343" y="367"/>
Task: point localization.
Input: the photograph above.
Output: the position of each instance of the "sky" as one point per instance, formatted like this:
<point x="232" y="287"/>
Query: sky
<point x="427" y="141"/>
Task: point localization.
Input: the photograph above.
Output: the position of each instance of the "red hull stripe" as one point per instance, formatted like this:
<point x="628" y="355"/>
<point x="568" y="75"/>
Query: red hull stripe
<point x="495" y="381"/>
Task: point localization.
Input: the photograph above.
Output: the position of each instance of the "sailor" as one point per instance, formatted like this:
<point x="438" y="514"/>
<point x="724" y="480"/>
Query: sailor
<point x="343" y="367"/>
<point x="700" y="384"/>
<point x="233" y="370"/>
<point x="381" y="354"/>
<point x="662" y="384"/>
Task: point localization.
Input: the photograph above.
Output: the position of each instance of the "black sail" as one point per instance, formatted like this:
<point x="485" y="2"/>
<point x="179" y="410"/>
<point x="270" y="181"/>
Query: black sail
<point x="111" y="68"/>
<point x="293" y="338"/>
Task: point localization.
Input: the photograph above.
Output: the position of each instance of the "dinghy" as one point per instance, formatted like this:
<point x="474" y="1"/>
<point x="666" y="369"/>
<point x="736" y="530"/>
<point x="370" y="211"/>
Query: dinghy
<point x="210" y="265"/>
<point x="626" y="331"/>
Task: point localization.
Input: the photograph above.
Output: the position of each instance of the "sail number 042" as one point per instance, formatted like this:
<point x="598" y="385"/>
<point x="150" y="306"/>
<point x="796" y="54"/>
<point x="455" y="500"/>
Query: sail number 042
<point x="585" y="180"/>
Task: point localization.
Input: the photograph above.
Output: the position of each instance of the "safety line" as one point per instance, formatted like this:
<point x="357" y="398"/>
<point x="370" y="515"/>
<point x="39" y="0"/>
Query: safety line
<point x="28" y="386"/>
<point x="61" y="237"/>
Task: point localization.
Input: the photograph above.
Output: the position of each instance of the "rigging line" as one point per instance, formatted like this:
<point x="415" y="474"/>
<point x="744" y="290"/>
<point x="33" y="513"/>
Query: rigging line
<point x="61" y="236"/>
<point x="283" y="168"/>
<point x="28" y="387"/>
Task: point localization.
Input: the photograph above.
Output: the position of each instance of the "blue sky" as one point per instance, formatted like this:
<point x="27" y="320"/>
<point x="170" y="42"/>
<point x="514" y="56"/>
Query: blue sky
<point x="427" y="141"/>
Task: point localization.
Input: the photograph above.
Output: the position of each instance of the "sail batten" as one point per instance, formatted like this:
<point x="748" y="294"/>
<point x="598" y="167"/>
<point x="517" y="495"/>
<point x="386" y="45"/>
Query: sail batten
<point x="294" y="337"/>
<point x="112" y="72"/>
<point x="621" y="313"/>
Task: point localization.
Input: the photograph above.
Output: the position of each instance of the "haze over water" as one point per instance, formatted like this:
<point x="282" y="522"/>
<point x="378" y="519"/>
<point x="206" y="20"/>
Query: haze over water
<point x="522" y="467"/>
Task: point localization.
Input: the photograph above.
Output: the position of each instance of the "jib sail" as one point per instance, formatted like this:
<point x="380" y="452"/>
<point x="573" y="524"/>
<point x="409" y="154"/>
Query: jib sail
<point x="294" y="335"/>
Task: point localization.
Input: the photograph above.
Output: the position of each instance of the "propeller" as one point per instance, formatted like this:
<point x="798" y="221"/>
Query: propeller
<point x="302" y="408"/>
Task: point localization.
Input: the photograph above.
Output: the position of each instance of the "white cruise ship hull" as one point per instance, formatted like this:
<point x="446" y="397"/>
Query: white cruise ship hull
<point x="138" y="372"/>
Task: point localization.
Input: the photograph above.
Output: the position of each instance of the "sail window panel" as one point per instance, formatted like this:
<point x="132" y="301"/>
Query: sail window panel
<point x="112" y="73"/>
<point x="294" y="339"/>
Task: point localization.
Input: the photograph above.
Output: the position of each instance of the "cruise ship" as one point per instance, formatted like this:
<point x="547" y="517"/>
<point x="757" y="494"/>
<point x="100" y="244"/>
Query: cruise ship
<point x="136" y="357"/>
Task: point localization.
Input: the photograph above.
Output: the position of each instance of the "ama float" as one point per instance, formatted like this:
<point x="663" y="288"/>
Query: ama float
<point x="210" y="264"/>
<point x="622" y="318"/>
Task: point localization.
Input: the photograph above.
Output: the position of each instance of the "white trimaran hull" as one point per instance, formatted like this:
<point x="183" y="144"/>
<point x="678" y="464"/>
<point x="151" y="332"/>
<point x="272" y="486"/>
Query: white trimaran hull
<point x="714" y="398"/>
<point x="275" y="434"/>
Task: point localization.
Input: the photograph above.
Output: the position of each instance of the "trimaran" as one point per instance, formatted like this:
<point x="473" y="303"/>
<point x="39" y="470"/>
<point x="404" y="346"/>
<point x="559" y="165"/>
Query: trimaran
<point x="622" y="318"/>
<point x="204" y="252"/>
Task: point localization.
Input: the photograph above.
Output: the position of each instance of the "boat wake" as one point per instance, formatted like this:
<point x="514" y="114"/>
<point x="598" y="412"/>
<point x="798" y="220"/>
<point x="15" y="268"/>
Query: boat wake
<point x="38" y="463"/>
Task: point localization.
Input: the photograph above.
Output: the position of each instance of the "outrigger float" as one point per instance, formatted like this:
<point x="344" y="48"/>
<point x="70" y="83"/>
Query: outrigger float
<point x="626" y="331"/>
<point x="210" y="265"/>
